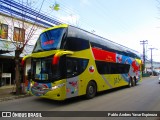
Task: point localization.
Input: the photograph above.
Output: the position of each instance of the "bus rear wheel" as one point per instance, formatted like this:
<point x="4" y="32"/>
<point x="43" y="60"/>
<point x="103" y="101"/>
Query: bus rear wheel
<point x="130" y="84"/>
<point x="135" y="81"/>
<point x="91" y="90"/>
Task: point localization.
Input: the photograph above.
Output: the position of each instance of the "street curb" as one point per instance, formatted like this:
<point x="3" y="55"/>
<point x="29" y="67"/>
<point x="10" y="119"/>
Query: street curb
<point x="14" y="97"/>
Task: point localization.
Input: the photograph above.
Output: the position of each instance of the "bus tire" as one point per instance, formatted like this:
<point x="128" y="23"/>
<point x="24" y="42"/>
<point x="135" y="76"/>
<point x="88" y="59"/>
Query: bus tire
<point x="135" y="81"/>
<point x="130" y="83"/>
<point x="91" y="90"/>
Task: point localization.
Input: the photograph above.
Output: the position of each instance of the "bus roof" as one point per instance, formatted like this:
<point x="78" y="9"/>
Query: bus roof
<point x="57" y="26"/>
<point x="81" y="33"/>
<point x="86" y="35"/>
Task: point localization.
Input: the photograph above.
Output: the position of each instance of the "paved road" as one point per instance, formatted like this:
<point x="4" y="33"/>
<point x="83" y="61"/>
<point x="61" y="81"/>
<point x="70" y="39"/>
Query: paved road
<point x="144" y="97"/>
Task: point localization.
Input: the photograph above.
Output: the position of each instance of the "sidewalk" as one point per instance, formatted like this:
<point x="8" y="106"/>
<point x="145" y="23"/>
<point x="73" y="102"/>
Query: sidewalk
<point x="8" y="93"/>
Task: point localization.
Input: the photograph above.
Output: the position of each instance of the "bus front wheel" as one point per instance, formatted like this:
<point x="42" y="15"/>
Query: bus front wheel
<point x="91" y="90"/>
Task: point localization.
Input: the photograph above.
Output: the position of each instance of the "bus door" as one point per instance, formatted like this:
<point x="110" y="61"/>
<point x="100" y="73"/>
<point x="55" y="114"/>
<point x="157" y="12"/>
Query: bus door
<point x="75" y="78"/>
<point x="72" y="70"/>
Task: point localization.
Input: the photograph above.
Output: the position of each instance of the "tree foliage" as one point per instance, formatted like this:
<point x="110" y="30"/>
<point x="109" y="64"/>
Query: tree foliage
<point x="55" y="7"/>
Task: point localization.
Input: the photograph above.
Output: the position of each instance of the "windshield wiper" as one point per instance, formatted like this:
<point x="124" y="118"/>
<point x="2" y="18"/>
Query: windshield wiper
<point x="40" y="50"/>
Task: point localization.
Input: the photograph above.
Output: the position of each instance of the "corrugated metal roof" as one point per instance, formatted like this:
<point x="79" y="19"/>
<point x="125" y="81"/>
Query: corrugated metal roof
<point x="11" y="7"/>
<point x="4" y="51"/>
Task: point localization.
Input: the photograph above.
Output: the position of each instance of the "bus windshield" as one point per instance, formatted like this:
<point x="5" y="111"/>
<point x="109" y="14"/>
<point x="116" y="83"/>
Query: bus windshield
<point x="44" y="71"/>
<point x="49" y="40"/>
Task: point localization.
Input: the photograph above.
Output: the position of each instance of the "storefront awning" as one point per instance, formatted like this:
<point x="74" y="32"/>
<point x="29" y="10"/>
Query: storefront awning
<point x="4" y="51"/>
<point x="7" y="49"/>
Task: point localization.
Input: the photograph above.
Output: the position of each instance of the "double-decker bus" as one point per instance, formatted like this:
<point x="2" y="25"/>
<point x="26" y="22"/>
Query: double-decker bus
<point x="68" y="61"/>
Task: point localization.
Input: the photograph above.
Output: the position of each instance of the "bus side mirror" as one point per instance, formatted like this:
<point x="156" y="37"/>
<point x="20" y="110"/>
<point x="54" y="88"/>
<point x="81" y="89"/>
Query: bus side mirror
<point x="55" y="60"/>
<point x="29" y="74"/>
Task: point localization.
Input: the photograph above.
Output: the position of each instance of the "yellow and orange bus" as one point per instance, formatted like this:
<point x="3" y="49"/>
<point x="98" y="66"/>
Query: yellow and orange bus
<point x="68" y="62"/>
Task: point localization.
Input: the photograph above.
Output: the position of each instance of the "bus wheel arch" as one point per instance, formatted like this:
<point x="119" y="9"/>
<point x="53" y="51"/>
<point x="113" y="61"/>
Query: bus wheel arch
<point x="91" y="89"/>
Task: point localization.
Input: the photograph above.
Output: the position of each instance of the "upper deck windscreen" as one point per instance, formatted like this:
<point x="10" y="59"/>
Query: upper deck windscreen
<point x="49" y="40"/>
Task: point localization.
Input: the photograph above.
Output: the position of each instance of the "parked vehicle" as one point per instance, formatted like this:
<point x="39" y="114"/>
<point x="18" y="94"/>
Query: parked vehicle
<point x="155" y="73"/>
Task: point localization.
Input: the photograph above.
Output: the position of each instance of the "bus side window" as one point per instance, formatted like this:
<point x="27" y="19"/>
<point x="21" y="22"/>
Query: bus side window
<point x="72" y="67"/>
<point x="76" y="44"/>
<point x="75" y="66"/>
<point x="112" y="68"/>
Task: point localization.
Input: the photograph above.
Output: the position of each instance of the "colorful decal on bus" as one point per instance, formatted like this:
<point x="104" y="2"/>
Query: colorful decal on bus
<point x="104" y="55"/>
<point x="134" y="66"/>
<point x="72" y="87"/>
<point x="39" y="89"/>
<point x="91" y="69"/>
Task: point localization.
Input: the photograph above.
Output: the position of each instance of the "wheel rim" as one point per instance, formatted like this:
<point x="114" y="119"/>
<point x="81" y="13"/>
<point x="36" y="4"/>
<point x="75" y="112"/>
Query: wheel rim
<point x="91" y="90"/>
<point x="130" y="84"/>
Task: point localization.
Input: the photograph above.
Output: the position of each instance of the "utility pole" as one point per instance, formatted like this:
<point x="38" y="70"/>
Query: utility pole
<point x="143" y="42"/>
<point x="152" y="59"/>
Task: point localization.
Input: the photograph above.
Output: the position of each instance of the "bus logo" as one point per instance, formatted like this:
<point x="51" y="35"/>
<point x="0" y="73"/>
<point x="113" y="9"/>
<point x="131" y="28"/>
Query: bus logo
<point x="91" y="69"/>
<point x="48" y="42"/>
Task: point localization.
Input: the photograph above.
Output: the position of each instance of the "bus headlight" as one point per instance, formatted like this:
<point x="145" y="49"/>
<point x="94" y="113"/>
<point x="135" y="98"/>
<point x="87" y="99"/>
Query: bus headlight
<point x="58" y="86"/>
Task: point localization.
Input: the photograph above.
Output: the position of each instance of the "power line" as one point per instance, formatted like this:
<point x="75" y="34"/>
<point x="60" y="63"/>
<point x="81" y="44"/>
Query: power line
<point x="103" y="11"/>
<point x="69" y="11"/>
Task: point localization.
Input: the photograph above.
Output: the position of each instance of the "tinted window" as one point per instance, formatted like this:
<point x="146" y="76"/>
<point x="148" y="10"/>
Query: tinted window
<point x="76" y="44"/>
<point x="112" y="68"/>
<point x="44" y="71"/>
<point x="49" y="40"/>
<point x="111" y="49"/>
<point x="75" y="66"/>
<point x="59" y="70"/>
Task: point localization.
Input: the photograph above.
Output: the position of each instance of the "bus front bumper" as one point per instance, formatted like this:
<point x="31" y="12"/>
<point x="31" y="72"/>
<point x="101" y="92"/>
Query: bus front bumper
<point x="55" y="93"/>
